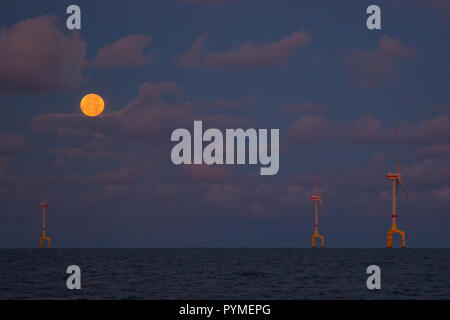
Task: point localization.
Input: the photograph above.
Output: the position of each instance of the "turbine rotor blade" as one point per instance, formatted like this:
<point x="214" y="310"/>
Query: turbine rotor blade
<point x="398" y="156"/>
<point x="396" y="189"/>
<point x="321" y="207"/>
<point x="400" y="182"/>
<point x="319" y="182"/>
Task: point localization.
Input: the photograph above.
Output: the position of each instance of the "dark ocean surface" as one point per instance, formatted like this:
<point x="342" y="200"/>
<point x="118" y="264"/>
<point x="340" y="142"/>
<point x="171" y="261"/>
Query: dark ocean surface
<point x="225" y="273"/>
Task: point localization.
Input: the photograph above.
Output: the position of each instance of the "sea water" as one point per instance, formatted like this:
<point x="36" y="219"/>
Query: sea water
<point x="225" y="273"/>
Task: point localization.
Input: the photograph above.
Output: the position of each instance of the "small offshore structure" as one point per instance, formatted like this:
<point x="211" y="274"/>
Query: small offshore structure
<point x="396" y="179"/>
<point x="317" y="202"/>
<point x="44" y="206"/>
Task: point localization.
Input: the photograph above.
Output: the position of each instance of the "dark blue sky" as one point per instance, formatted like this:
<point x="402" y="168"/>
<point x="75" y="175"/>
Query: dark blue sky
<point x="335" y="89"/>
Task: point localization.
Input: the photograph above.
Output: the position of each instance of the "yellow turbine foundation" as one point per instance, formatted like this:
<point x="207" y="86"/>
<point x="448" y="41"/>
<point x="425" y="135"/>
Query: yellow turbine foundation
<point x="316" y="235"/>
<point x="317" y="202"/>
<point x="44" y="207"/>
<point x="44" y="237"/>
<point x="390" y="234"/>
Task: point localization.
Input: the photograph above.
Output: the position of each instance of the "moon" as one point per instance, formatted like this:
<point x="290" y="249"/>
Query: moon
<point x="92" y="105"/>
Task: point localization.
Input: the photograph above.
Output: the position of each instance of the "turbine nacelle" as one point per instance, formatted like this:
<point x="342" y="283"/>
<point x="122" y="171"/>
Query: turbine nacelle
<point x="317" y="198"/>
<point x="393" y="176"/>
<point x="43" y="205"/>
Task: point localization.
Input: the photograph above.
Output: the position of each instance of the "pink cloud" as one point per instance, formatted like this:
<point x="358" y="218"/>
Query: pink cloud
<point x="226" y="104"/>
<point x="192" y="57"/>
<point x="443" y="194"/>
<point x="222" y="121"/>
<point x="304" y="107"/>
<point x="91" y="150"/>
<point x="120" y="176"/>
<point x="294" y="195"/>
<point x="444" y="107"/>
<point x="156" y="122"/>
<point x="150" y="117"/>
<point x="76" y="124"/>
<point x="370" y="68"/>
<point x="166" y="191"/>
<point x="309" y="129"/>
<point x="430" y="172"/>
<point x="437" y="151"/>
<point x="35" y="47"/>
<point x="248" y="55"/>
<point x="225" y="196"/>
<point x="116" y="192"/>
<point x="434" y="130"/>
<point x="253" y="54"/>
<point x="124" y="52"/>
<point x="204" y="173"/>
<point x="3" y="166"/>
<point x="152" y="93"/>
<point x="442" y="6"/>
<point x="39" y="46"/>
<point x="12" y="144"/>
<point x="368" y="129"/>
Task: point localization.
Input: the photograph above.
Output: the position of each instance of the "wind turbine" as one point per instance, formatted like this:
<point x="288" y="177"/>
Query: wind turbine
<point x="317" y="202"/>
<point x="44" y="206"/>
<point x="397" y="180"/>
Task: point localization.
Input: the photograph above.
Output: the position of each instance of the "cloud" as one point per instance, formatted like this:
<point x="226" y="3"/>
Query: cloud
<point x="76" y="124"/>
<point x="204" y="173"/>
<point x="432" y="131"/>
<point x="304" y="107"/>
<point x="153" y="93"/>
<point x="367" y="129"/>
<point x="443" y="194"/>
<point x="226" y="104"/>
<point x="12" y="144"/>
<point x="124" y="52"/>
<point x="253" y="54"/>
<point x="36" y="56"/>
<point x="120" y="177"/>
<point x="437" y="151"/>
<point x="444" y="107"/>
<point x="91" y="150"/>
<point x="225" y="196"/>
<point x="370" y="68"/>
<point x="192" y="57"/>
<point x="293" y="194"/>
<point x="428" y="173"/>
<point x="441" y="6"/>
<point x="248" y="55"/>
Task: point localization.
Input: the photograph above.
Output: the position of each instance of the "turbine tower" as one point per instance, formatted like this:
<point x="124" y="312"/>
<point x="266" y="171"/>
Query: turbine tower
<point x="396" y="179"/>
<point x="44" y="206"/>
<point x="317" y="202"/>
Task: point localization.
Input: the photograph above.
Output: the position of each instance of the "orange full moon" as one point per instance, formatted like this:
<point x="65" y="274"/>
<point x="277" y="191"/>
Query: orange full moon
<point x="92" y="105"/>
